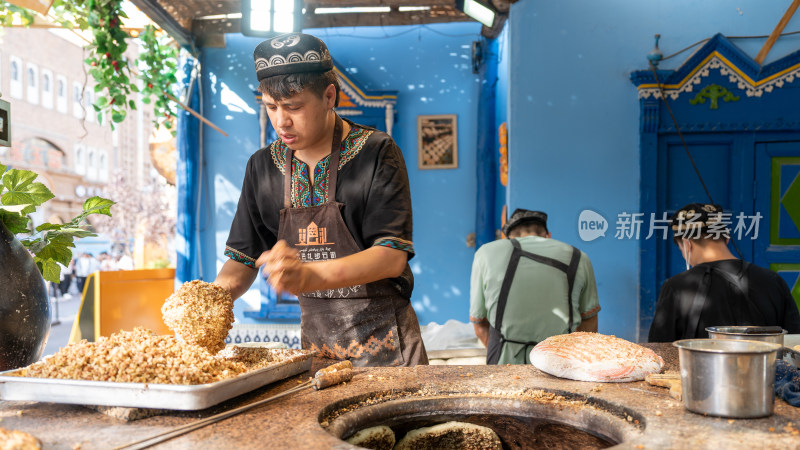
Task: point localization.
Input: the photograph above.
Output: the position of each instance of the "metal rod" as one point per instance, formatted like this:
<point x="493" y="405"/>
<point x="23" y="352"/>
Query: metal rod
<point x="183" y="429"/>
<point x="194" y="113"/>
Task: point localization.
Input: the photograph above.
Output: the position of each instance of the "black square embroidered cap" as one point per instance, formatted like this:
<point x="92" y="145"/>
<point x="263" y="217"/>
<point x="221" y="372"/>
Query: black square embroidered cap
<point x="523" y="216"/>
<point x="697" y="220"/>
<point x="291" y="53"/>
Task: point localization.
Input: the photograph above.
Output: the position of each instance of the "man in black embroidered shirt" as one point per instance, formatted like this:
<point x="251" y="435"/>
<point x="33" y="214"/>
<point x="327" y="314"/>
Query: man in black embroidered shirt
<point x="717" y="289"/>
<point x="325" y="210"/>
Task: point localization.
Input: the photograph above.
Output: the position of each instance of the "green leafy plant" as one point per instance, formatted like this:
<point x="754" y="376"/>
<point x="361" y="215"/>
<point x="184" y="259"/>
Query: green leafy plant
<point x="50" y="244"/>
<point x="8" y="12"/>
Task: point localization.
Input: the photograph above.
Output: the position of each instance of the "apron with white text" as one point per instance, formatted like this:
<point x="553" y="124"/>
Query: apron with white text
<point x="371" y="324"/>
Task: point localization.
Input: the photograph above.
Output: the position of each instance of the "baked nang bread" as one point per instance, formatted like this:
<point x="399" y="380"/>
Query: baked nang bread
<point x="200" y="313"/>
<point x="375" y="438"/>
<point x="595" y="357"/>
<point x="451" y="436"/>
<point x="18" y="440"/>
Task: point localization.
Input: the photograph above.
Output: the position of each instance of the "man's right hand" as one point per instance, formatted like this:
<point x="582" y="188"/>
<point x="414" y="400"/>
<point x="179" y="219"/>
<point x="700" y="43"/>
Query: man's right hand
<point x="285" y="271"/>
<point x="482" y="331"/>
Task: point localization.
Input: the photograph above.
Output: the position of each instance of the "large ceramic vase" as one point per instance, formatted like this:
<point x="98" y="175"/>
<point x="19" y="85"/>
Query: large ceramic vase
<point x="24" y="306"/>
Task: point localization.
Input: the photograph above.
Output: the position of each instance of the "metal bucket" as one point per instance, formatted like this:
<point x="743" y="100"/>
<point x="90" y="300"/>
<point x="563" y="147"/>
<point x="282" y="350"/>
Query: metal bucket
<point x="748" y="333"/>
<point x="728" y="378"/>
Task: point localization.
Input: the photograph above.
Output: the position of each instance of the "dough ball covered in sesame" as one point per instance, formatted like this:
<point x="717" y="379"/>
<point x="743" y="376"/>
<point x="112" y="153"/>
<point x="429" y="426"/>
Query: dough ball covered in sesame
<point x="200" y="313"/>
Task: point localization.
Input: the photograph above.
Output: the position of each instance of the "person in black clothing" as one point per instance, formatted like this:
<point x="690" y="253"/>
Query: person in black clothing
<point x="325" y="213"/>
<point x="717" y="289"/>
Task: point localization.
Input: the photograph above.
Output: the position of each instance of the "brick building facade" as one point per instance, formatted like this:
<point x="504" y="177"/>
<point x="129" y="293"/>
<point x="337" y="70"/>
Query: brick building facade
<point x="54" y="129"/>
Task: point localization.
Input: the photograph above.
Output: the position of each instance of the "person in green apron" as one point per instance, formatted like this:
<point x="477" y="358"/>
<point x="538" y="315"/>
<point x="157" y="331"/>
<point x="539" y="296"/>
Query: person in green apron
<point x="325" y="211"/>
<point x="529" y="287"/>
<point x="717" y="289"/>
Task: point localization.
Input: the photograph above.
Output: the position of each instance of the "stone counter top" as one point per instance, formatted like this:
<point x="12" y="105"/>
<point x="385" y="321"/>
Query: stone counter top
<point x="637" y="414"/>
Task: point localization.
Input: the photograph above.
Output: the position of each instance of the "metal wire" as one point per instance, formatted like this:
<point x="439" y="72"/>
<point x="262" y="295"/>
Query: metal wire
<point x="191" y="426"/>
<point x="789" y="33"/>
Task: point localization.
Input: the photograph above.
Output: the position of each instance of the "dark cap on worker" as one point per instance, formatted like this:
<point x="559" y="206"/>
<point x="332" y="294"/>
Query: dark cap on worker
<point x="697" y="220"/>
<point x="525" y="216"/>
<point x="291" y="53"/>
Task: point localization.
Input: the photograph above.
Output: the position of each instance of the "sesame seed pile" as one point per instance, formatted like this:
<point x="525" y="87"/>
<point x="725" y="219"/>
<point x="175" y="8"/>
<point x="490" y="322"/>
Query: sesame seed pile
<point x="138" y="356"/>
<point x="141" y="356"/>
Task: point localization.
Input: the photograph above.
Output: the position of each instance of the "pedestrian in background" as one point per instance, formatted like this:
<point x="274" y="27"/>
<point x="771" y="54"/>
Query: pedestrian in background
<point x="85" y="265"/>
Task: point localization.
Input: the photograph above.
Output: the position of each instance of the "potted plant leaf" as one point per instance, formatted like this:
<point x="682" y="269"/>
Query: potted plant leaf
<point x="27" y="261"/>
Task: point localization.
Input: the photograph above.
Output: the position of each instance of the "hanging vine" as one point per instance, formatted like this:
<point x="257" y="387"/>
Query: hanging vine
<point x="107" y="57"/>
<point x="114" y="74"/>
<point x="158" y="64"/>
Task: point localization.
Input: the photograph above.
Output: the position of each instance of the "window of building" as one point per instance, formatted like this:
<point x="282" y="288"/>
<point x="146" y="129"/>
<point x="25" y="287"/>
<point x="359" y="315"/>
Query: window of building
<point x="80" y="159"/>
<point x="61" y="94"/>
<point x="33" y="83"/>
<point x="91" y="164"/>
<point x="103" y="167"/>
<point x="88" y="101"/>
<point x="77" y="100"/>
<point x="47" y="89"/>
<point x="15" y="84"/>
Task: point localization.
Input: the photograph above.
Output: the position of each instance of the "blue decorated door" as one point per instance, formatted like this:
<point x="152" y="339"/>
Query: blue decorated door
<point x="758" y="183"/>
<point x="741" y="123"/>
<point x="725" y="162"/>
<point x="778" y="200"/>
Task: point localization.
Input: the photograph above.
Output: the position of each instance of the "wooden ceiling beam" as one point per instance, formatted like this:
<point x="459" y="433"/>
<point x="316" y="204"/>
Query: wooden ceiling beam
<point x="503" y="6"/>
<point x="360" y="3"/>
<point x="174" y="16"/>
<point x="216" y="26"/>
<point x="169" y="24"/>
<point x="382" y="19"/>
<point x="202" y="27"/>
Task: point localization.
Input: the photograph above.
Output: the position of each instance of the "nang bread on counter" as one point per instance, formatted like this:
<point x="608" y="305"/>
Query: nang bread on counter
<point x="595" y="357"/>
<point x="18" y="440"/>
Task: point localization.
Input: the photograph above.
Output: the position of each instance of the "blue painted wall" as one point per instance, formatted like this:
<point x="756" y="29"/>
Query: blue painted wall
<point x="430" y="67"/>
<point x="501" y="109"/>
<point x="573" y="114"/>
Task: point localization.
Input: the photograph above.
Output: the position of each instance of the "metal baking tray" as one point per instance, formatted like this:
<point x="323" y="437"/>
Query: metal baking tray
<point x="146" y="395"/>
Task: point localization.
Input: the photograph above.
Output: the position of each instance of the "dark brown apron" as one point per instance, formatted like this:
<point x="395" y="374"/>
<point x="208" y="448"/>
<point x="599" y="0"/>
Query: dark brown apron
<point x="371" y="325"/>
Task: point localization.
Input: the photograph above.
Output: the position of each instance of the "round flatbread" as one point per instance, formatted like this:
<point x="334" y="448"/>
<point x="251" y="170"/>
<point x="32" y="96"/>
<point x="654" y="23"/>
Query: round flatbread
<point x="451" y="436"/>
<point x="375" y="438"/>
<point x="595" y="357"/>
<point x="18" y="440"/>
